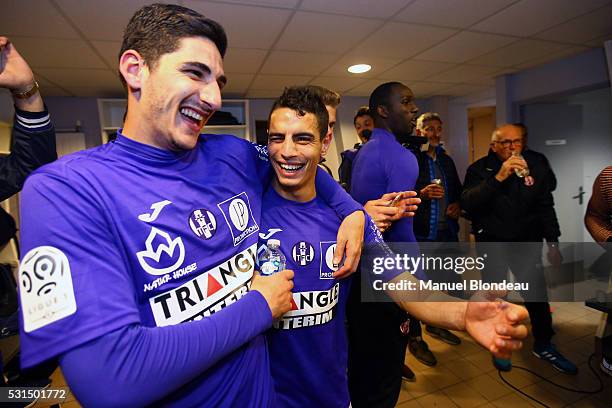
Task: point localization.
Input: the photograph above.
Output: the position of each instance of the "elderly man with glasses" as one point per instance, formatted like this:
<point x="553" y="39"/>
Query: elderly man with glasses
<point x="508" y="197"/>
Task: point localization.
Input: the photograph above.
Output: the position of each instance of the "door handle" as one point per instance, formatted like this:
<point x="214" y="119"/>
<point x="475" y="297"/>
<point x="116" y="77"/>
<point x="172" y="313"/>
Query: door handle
<point x="579" y="195"/>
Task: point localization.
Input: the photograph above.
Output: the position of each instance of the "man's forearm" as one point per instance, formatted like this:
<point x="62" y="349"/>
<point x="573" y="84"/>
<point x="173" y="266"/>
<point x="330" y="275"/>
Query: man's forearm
<point x="430" y="306"/>
<point x="447" y="315"/>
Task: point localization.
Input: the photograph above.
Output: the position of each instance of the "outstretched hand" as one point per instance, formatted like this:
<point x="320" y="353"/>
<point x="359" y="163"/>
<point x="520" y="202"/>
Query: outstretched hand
<point x="496" y="325"/>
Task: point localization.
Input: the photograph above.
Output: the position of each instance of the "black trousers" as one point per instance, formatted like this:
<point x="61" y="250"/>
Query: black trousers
<point x="521" y="260"/>
<point x="377" y="349"/>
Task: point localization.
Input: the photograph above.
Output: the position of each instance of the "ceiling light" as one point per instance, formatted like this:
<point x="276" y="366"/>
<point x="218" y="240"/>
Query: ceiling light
<point x="359" y="68"/>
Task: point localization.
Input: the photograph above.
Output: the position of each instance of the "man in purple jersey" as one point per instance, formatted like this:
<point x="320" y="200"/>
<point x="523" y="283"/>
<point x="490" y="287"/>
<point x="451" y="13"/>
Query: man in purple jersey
<point x="138" y="271"/>
<point x="383" y="165"/>
<point x="308" y="345"/>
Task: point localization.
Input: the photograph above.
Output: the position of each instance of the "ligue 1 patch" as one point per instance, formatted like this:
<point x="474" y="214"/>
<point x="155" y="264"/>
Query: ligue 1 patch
<point x="203" y="223"/>
<point x="327" y="268"/>
<point x="302" y="253"/>
<point x="239" y="217"/>
<point x="45" y="287"/>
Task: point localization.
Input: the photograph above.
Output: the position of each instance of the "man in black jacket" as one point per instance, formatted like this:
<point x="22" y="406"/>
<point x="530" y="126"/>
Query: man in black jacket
<point x="507" y="208"/>
<point x="33" y="139"/>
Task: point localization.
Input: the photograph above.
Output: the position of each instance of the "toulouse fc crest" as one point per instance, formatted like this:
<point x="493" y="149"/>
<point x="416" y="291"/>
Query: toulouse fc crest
<point x="203" y="223"/>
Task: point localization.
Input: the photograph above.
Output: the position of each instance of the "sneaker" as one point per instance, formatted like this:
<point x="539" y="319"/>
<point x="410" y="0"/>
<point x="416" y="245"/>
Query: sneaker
<point x="606" y="366"/>
<point x="408" y="374"/>
<point x="420" y="350"/>
<point x="443" y="334"/>
<point x="549" y="353"/>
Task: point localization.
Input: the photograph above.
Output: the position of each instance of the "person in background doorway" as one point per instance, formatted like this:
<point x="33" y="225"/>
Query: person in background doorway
<point x="364" y="124"/>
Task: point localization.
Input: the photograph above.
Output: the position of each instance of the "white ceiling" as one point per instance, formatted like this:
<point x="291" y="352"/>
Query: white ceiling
<point x="438" y="47"/>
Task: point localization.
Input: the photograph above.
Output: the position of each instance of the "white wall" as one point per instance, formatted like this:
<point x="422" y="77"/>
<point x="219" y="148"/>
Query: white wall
<point x="584" y="71"/>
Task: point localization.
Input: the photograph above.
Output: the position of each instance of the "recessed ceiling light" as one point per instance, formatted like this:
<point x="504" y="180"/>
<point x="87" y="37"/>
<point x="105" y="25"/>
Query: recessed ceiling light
<point x="359" y="68"/>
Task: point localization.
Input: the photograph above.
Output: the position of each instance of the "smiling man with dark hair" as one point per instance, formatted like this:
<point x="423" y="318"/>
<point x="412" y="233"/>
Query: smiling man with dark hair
<point x="139" y="259"/>
<point x="308" y="344"/>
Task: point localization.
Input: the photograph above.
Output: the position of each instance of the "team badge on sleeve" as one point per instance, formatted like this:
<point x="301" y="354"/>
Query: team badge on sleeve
<point x="45" y="287"/>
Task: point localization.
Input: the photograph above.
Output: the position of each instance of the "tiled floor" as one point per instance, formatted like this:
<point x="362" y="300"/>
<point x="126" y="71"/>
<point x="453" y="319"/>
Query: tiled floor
<point x="465" y="376"/>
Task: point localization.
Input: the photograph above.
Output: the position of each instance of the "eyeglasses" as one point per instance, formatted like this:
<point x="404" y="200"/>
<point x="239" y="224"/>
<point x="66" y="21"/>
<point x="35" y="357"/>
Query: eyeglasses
<point x="507" y="143"/>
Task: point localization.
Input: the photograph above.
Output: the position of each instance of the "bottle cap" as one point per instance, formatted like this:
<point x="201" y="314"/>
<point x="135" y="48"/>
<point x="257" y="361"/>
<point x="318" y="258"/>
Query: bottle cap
<point x="274" y="243"/>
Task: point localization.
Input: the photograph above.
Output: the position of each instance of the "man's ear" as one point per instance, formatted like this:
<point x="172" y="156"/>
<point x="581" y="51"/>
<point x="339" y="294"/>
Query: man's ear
<point x="382" y="111"/>
<point x="325" y="143"/>
<point x="133" y="69"/>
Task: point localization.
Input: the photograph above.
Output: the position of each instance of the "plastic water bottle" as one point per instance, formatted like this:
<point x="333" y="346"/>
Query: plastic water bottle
<point x="522" y="173"/>
<point x="272" y="259"/>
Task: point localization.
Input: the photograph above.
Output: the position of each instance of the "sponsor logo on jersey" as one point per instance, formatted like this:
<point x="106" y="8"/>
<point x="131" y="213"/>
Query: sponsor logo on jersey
<point x="302" y="253"/>
<point x="163" y="279"/>
<point x="156" y="207"/>
<point x="160" y="250"/>
<point x="203" y="223"/>
<point x="45" y="287"/>
<point x="310" y="309"/>
<point x="270" y="233"/>
<point x="238" y="215"/>
<point x="327" y="268"/>
<point x="207" y="293"/>
<point x="263" y="240"/>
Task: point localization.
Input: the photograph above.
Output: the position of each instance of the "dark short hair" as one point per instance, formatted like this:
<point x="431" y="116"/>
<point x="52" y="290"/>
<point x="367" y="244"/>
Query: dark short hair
<point x="156" y="30"/>
<point x="380" y="96"/>
<point x="363" y="111"/>
<point x="329" y="97"/>
<point x="303" y="100"/>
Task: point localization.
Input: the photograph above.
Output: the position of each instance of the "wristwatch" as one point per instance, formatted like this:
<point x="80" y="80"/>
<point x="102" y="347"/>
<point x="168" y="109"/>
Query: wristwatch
<point x="28" y="93"/>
